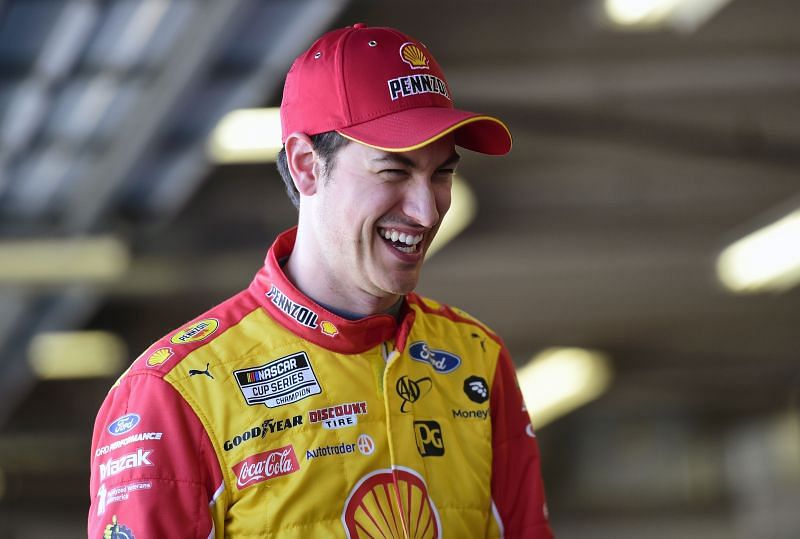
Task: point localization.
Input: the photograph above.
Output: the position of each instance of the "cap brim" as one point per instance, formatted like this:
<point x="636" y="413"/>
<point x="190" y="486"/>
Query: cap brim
<point x="412" y="129"/>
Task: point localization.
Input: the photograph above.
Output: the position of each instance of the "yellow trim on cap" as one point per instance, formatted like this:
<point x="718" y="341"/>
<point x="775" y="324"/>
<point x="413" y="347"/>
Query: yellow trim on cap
<point x="435" y="137"/>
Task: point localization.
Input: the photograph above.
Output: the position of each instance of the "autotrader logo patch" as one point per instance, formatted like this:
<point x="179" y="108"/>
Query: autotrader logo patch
<point x="283" y="381"/>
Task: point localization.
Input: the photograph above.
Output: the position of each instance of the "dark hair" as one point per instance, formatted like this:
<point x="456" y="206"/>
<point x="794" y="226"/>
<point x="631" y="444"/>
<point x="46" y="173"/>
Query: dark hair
<point x="326" y="145"/>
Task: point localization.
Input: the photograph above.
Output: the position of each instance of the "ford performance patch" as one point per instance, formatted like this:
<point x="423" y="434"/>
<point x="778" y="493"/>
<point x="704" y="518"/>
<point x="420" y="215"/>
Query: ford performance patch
<point x="283" y="381"/>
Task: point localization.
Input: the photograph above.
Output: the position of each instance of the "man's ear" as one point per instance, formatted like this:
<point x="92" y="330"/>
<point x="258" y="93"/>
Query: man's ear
<point x="302" y="162"/>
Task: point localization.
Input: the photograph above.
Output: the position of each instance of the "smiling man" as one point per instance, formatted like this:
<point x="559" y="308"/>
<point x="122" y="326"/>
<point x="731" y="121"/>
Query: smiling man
<point x="328" y="399"/>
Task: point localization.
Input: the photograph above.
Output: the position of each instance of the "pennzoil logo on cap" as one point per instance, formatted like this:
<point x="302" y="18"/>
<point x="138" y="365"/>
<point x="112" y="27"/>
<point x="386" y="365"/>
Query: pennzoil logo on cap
<point x="413" y="56"/>
<point x="198" y="331"/>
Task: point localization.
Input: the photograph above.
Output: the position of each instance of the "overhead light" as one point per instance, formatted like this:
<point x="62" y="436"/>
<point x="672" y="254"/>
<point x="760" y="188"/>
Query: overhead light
<point x="683" y="15"/>
<point x="766" y="260"/>
<point x="76" y="354"/>
<point x="56" y="260"/>
<point x="463" y="207"/>
<point x="247" y="136"/>
<point x="559" y="380"/>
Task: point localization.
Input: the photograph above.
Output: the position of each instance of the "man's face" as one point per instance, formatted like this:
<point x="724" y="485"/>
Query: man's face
<point x="376" y="213"/>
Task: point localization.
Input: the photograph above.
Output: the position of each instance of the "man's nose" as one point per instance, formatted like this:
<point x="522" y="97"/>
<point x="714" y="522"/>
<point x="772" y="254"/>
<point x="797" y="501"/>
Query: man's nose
<point x="420" y="203"/>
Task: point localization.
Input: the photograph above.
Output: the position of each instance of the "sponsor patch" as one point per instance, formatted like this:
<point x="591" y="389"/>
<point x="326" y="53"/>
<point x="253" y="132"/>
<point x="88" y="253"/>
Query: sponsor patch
<point x="412" y="390"/>
<point x="269" y="426"/>
<point x="476" y="389"/>
<point x="429" y="438"/>
<point x="279" y="382"/>
<point x="443" y="362"/>
<point x="328" y="329"/>
<point x="159" y="357"/>
<point x="374" y="501"/>
<point x="299" y="313"/>
<point x="471" y="414"/>
<point x="413" y="56"/>
<point x="131" y="460"/>
<point x="339" y="415"/>
<point x="330" y="450"/>
<point x="264" y="466"/>
<point x="366" y="444"/>
<point x="416" y="84"/>
<point x="199" y="331"/>
<point x="115" y="530"/>
<point x="118" y="494"/>
<point x="139" y="437"/>
<point x="206" y="372"/>
<point x="124" y="424"/>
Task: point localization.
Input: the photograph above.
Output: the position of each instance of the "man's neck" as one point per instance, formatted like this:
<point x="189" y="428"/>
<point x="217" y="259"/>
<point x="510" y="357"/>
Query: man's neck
<point x="354" y="306"/>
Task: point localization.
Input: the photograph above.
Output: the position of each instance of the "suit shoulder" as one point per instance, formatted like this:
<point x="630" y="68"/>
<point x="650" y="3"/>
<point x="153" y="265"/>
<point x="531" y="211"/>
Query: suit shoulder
<point x="194" y="336"/>
<point x="430" y="308"/>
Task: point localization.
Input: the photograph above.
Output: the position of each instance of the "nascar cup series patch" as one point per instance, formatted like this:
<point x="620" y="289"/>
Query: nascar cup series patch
<point x="279" y="382"/>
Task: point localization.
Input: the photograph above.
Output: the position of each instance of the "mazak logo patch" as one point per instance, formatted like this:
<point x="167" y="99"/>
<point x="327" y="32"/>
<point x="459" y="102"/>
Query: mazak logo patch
<point x="299" y="313"/>
<point x="413" y="56"/>
<point x="124" y="424"/>
<point x="429" y="438"/>
<point x="132" y="460"/>
<point x="416" y="84"/>
<point x="339" y="415"/>
<point x="264" y="466"/>
<point x="440" y="360"/>
<point x="283" y="381"/>
<point x="199" y="331"/>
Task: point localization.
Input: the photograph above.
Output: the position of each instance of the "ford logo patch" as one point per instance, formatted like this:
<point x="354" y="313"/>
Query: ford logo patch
<point x="124" y="424"/>
<point x="440" y="360"/>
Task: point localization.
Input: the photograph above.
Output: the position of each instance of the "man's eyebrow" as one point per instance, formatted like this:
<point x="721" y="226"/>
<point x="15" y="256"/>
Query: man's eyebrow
<point x="408" y="162"/>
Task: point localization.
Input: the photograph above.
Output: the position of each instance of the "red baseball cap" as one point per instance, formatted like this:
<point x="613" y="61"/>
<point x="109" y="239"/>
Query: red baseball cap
<point x="384" y="89"/>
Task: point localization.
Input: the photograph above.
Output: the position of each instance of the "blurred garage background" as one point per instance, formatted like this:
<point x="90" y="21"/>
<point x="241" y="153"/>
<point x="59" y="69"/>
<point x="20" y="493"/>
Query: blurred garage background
<point x="650" y="137"/>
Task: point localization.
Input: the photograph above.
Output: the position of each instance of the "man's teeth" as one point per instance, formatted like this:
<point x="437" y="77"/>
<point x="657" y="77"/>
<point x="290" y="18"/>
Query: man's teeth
<point x="394" y="235"/>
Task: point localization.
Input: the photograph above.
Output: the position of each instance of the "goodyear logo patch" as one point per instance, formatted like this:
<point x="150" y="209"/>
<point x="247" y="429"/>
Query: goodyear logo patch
<point x="416" y="84"/>
<point x="198" y="331"/>
<point x="440" y="360"/>
<point x="283" y="381"/>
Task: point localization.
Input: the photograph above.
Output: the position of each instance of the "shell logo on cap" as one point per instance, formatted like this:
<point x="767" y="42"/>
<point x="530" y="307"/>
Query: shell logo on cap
<point x="413" y="56"/>
<point x="391" y="503"/>
<point x="159" y="357"/>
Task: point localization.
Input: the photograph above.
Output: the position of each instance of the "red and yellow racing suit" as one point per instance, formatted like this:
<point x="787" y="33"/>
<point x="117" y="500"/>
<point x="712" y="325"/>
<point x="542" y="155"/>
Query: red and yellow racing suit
<point x="269" y="416"/>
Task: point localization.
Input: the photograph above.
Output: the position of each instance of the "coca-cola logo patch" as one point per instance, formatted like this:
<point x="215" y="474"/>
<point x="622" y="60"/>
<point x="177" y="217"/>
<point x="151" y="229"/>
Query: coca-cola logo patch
<point x="263" y="466"/>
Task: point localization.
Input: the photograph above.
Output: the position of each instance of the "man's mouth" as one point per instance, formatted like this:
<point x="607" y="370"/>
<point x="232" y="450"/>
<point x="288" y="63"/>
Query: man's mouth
<point x="405" y="243"/>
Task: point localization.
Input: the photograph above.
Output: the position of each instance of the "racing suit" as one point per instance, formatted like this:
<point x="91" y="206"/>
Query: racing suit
<point x="269" y="416"/>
